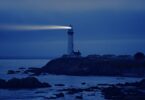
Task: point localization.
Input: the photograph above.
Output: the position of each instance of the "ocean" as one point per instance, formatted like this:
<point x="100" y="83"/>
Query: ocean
<point x="68" y="81"/>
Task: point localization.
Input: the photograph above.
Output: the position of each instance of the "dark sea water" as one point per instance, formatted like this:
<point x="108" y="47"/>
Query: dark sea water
<point x="69" y="81"/>
<point x="12" y="64"/>
<point x="23" y="62"/>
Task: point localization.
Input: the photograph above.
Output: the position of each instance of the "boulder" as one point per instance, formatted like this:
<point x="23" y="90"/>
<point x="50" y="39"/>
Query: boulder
<point x="2" y="83"/>
<point x="59" y="95"/>
<point x="11" y="72"/>
<point x="24" y="83"/>
<point x="59" y="85"/>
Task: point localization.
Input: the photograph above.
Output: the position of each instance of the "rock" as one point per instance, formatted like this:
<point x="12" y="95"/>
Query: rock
<point x="26" y="72"/>
<point x="127" y="91"/>
<point x="79" y="97"/>
<point x="92" y="94"/>
<point x="59" y="95"/>
<point x="83" y="83"/>
<point x="139" y="56"/>
<point x="24" y="83"/>
<point x="141" y="84"/>
<point x="113" y="93"/>
<point x="2" y="83"/>
<point x="93" y="88"/>
<point x="22" y="68"/>
<point x="33" y="71"/>
<point x="72" y="90"/>
<point x="59" y="85"/>
<point x="11" y="72"/>
<point x="84" y="66"/>
<point x="39" y="92"/>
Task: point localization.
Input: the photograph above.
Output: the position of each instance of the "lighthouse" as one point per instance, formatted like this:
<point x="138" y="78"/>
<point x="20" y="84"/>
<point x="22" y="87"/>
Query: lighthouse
<point x="70" y="47"/>
<point x="70" y="41"/>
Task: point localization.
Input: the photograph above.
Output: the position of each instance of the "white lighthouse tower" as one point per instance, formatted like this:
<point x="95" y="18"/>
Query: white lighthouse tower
<point x="70" y="45"/>
<point x="70" y="41"/>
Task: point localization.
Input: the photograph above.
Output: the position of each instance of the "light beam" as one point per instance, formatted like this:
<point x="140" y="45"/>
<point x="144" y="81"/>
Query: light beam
<point x="33" y="27"/>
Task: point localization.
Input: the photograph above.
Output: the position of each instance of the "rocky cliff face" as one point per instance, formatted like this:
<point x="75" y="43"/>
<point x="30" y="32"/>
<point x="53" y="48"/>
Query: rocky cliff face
<point x="86" y="66"/>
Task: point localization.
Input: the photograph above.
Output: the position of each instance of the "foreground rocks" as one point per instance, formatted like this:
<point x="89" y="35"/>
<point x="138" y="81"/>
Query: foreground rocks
<point x="13" y="72"/>
<point x="73" y="91"/>
<point x="24" y="83"/>
<point x="127" y="91"/>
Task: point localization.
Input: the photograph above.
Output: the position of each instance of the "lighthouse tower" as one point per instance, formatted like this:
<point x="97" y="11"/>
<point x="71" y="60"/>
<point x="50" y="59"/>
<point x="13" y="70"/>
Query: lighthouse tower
<point x="70" y="41"/>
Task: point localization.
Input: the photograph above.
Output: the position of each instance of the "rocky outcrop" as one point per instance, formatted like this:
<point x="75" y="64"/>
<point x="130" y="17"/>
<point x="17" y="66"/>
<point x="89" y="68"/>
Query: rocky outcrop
<point x="86" y="66"/>
<point x="127" y="91"/>
<point x="24" y="83"/>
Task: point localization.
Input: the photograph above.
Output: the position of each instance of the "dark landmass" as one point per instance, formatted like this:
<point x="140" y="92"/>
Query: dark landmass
<point x="86" y="66"/>
<point x="24" y="83"/>
<point x="93" y="65"/>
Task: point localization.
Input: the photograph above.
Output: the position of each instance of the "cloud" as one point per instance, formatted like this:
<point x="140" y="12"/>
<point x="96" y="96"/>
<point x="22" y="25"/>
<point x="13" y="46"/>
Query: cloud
<point x="71" y="5"/>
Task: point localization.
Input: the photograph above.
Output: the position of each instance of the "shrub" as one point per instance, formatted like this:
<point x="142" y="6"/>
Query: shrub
<point x="139" y="56"/>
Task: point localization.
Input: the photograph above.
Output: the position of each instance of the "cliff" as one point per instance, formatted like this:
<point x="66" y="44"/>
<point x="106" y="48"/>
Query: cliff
<point x="87" y="66"/>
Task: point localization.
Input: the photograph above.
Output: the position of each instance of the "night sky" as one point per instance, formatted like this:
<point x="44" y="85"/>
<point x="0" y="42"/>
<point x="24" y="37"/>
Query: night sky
<point x="101" y="27"/>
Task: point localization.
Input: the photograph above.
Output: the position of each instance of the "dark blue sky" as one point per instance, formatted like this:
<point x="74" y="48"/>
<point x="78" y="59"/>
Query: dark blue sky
<point x="101" y="27"/>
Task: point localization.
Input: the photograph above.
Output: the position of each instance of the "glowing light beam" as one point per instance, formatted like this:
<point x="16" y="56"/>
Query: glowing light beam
<point x="33" y="27"/>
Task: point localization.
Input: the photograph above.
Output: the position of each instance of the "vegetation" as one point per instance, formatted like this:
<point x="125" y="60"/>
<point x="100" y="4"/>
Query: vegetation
<point x="139" y="56"/>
